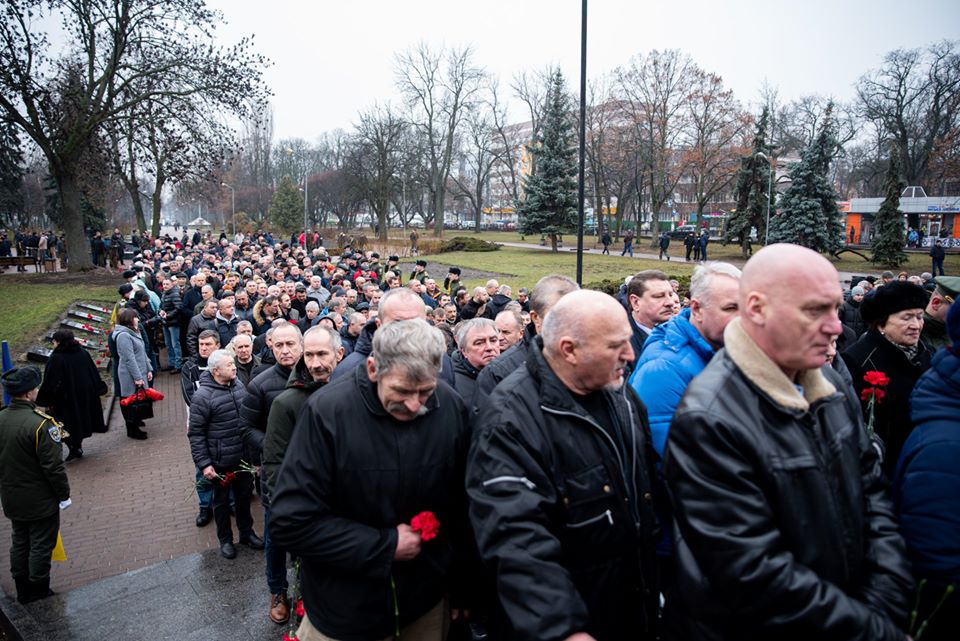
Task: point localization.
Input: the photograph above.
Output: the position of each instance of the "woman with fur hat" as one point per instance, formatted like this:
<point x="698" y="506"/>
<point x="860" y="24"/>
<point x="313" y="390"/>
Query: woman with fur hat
<point x="892" y="345"/>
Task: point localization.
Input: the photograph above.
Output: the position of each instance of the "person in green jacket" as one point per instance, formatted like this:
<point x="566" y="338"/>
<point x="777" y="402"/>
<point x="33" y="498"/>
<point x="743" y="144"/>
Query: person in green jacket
<point x="33" y="482"/>
<point x="322" y="350"/>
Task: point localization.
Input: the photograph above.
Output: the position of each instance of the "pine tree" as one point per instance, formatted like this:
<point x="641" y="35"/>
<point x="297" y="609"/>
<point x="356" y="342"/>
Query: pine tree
<point x="808" y="214"/>
<point x="753" y="181"/>
<point x="550" y="200"/>
<point x="11" y="171"/>
<point x="888" y="239"/>
<point x="286" y="208"/>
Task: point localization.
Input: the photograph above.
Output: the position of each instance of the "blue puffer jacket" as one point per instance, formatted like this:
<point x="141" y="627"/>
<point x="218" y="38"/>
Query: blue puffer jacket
<point x="215" y="423"/>
<point x="672" y="356"/>
<point x="927" y="480"/>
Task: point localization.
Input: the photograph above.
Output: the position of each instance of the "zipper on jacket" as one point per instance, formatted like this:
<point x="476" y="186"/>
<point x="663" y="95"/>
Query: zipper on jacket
<point x="510" y="479"/>
<point x="603" y="515"/>
<point x="596" y="426"/>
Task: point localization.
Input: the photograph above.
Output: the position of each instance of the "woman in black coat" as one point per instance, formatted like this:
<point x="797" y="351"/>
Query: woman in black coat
<point x="891" y="345"/>
<point x="71" y="391"/>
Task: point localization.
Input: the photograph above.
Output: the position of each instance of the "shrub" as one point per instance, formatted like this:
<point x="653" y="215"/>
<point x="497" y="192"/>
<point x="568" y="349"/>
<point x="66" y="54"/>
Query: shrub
<point x="468" y="244"/>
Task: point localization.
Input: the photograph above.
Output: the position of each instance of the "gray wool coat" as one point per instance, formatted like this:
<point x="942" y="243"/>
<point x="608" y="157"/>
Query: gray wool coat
<point x="133" y="362"/>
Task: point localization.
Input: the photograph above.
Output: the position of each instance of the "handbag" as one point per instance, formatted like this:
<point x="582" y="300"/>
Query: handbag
<point x="139" y="405"/>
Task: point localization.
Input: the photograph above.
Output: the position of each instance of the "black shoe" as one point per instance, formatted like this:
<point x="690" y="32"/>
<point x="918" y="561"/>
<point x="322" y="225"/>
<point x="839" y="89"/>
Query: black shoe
<point x="175" y="370"/>
<point x="204" y="516"/>
<point x="23" y="587"/>
<point x="135" y="432"/>
<point x="40" y="590"/>
<point x="227" y="550"/>
<point x="75" y="453"/>
<point x="252" y="541"/>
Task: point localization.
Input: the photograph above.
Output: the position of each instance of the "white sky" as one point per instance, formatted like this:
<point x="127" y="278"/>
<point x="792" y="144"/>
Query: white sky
<point x="335" y="58"/>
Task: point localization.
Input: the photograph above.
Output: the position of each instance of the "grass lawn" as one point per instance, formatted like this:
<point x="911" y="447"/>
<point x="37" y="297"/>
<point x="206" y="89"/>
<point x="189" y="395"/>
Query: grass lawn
<point x="29" y="308"/>
<point x="524" y="267"/>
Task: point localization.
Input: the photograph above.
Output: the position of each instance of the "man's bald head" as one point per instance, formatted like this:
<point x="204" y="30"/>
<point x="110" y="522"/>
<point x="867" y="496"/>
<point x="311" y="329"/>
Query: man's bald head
<point x="401" y="304"/>
<point x="789" y="296"/>
<point x="586" y="341"/>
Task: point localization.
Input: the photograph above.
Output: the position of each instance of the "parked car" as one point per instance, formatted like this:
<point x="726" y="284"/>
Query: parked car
<point x="681" y="232"/>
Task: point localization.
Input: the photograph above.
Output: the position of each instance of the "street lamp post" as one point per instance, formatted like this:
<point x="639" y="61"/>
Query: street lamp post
<point x="766" y="229"/>
<point x="233" y="207"/>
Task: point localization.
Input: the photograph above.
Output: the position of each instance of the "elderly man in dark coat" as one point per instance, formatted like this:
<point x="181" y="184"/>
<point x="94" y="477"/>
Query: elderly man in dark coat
<point x="71" y="391"/>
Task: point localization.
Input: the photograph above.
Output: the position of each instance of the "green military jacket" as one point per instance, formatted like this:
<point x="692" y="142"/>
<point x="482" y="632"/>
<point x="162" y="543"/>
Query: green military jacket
<point x="33" y="480"/>
<point x="934" y="332"/>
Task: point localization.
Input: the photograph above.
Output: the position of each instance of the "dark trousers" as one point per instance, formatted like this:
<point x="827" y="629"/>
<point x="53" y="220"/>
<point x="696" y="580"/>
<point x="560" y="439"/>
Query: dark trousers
<point x="689" y="250"/>
<point x="937" y="266"/>
<point x="31" y="547"/>
<point x="275" y="555"/>
<point x="242" y="490"/>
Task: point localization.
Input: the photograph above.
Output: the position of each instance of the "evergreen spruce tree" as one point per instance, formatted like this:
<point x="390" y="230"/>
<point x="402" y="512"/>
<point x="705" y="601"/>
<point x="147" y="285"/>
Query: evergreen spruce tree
<point x="286" y="208"/>
<point x="549" y="205"/>
<point x="808" y="214"/>
<point x="888" y="238"/>
<point x="753" y="181"/>
<point x="93" y="218"/>
<point x="11" y="172"/>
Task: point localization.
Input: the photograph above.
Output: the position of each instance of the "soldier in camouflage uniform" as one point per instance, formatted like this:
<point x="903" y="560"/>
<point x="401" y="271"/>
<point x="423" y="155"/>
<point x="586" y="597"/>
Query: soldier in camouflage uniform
<point x="33" y="483"/>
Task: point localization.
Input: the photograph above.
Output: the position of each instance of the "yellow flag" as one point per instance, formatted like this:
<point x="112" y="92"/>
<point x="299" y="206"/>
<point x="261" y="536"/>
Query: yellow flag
<point x="59" y="554"/>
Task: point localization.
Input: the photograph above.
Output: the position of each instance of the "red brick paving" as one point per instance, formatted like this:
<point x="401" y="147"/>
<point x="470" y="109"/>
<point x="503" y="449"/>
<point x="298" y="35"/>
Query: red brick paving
<point x="133" y="503"/>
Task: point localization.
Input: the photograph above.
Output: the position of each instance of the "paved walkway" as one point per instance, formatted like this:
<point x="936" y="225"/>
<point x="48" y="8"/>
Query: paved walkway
<point x="135" y="558"/>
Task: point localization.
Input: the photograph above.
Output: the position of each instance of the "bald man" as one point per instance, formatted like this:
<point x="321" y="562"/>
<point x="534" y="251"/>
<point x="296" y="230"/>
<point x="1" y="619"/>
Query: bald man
<point x="785" y="531"/>
<point x="397" y="304"/>
<point x="560" y="483"/>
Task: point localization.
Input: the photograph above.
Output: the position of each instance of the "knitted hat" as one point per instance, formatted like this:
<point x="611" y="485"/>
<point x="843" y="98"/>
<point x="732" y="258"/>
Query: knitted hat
<point x="893" y="297"/>
<point x="21" y="379"/>
<point x="856" y="291"/>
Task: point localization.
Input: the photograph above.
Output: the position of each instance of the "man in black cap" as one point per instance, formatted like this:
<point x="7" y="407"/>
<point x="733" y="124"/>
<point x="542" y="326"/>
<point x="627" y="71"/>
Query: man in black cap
<point x="452" y="281"/>
<point x="420" y="271"/>
<point x="935" y="315"/>
<point x="33" y="483"/>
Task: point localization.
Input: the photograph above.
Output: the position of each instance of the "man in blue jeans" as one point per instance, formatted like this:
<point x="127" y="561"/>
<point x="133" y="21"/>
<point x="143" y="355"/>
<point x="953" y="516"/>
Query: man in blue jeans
<point x="170" y="313"/>
<point x="628" y="243"/>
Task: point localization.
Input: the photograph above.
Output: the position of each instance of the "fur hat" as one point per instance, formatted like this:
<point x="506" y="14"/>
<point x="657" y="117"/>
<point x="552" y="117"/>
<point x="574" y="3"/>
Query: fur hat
<point x="893" y="297"/>
<point x="455" y="270"/>
<point x="125" y="289"/>
<point x="20" y="380"/>
<point x="422" y="263"/>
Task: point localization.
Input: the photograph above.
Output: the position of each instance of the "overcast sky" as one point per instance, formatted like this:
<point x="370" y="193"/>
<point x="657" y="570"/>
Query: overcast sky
<point x="331" y="59"/>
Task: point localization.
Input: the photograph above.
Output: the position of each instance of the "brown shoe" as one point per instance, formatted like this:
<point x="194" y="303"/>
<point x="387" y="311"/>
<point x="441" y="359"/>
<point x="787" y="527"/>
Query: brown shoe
<point x="279" y="608"/>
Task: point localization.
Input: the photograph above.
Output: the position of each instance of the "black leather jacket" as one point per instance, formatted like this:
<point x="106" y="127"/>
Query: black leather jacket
<point x="562" y="509"/>
<point x="784" y="528"/>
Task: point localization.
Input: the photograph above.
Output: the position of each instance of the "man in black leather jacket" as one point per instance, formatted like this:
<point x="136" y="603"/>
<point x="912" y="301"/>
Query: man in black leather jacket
<point x="784" y="527"/>
<point x="560" y="478"/>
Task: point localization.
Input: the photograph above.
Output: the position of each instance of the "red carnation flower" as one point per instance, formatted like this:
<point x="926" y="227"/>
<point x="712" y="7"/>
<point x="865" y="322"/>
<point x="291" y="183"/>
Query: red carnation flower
<point x="290" y="637"/>
<point x="426" y="525"/>
<point x="877" y="379"/>
<point x="227" y="479"/>
<point x="298" y="610"/>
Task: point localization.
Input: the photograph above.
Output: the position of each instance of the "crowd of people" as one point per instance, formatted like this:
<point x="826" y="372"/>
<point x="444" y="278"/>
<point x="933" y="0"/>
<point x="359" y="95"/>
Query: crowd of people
<point x="759" y="454"/>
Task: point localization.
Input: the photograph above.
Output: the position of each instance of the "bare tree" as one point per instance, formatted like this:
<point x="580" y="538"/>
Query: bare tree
<point x="437" y="85"/>
<point x="119" y="44"/>
<point x="480" y="149"/>
<point x="914" y="99"/>
<point x="379" y="133"/>
<point x="715" y="138"/>
<point x="655" y="88"/>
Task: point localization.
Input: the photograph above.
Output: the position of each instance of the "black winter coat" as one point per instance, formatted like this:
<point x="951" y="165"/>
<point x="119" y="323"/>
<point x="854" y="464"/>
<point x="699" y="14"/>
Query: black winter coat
<point x="198" y="324"/>
<point x="466" y="377"/>
<point x="72" y="388"/>
<point x="501" y="367"/>
<point x="214" y="431"/>
<point x="351" y="474"/>
<point x="873" y="352"/>
<point x="190" y="375"/>
<point x="496" y="304"/>
<point x="170" y="302"/>
<point x="262" y="389"/>
<point x="850" y="317"/>
<point x="783" y="525"/>
<point x="562" y="509"/>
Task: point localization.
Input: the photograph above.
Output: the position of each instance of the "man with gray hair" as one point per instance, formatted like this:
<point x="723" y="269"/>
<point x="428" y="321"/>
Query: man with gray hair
<point x="499" y="300"/>
<point x="217" y="449"/>
<point x="247" y="361"/>
<point x="478" y="343"/>
<point x="544" y="296"/>
<point x="560" y="478"/>
<point x="509" y="324"/>
<point x="349" y="489"/>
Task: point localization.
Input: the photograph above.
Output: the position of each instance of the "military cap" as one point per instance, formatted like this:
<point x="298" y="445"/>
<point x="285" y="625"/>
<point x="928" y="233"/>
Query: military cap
<point x="422" y="263"/>
<point x="20" y="380"/>
<point x="375" y="255"/>
<point x="948" y="286"/>
<point x="455" y="270"/>
<point x="129" y="273"/>
<point x="393" y="259"/>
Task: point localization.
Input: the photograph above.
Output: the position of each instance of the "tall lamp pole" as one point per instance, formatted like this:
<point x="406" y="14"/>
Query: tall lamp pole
<point x="583" y="131"/>
<point x="233" y="207"/>
<point x="766" y="229"/>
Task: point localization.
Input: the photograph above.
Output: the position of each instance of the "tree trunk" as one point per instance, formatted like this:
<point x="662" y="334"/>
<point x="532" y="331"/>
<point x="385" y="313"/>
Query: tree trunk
<point x="553" y="243"/>
<point x="155" y="222"/>
<point x="78" y="249"/>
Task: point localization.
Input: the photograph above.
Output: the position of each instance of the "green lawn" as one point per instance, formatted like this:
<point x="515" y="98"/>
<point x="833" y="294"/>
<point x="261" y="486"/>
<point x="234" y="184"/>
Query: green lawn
<point x="30" y="308"/>
<point x="524" y="267"/>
